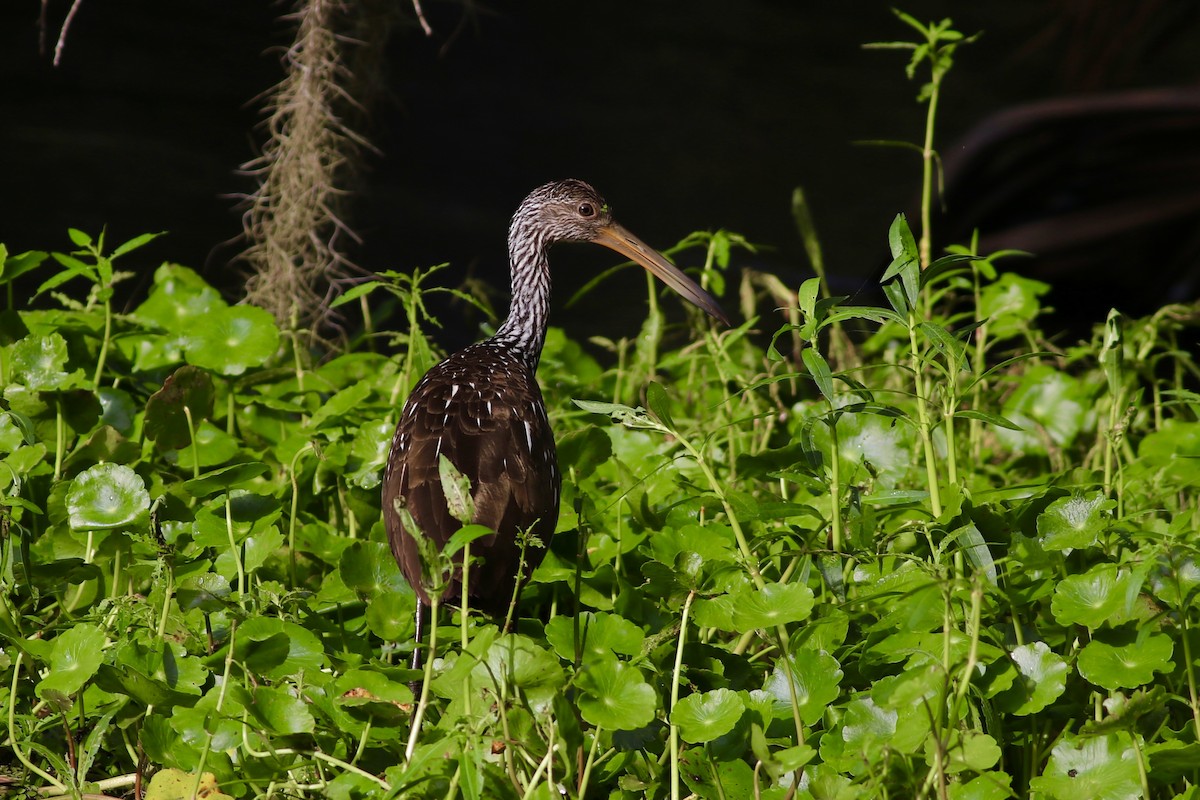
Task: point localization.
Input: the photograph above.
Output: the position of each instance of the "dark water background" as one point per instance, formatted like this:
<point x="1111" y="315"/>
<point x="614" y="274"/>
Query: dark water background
<point x="686" y="115"/>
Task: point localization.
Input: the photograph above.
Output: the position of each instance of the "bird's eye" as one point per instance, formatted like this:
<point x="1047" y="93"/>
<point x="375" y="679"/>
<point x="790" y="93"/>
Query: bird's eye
<point x="587" y="210"/>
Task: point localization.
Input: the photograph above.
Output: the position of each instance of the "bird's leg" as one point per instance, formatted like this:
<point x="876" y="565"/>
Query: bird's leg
<point x="415" y="662"/>
<point x="418" y="618"/>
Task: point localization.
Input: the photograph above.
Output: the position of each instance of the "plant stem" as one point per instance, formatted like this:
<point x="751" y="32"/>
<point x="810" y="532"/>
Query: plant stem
<point x="534" y="779"/>
<point x="835" y="484"/>
<point x="191" y="426"/>
<point x="1190" y="668"/>
<point x="675" y="680"/>
<point x="591" y="760"/>
<point x="968" y="669"/>
<point x="216" y="711"/>
<point x="103" y="356"/>
<point x="168" y="592"/>
<point x="107" y="784"/>
<point x="651" y="340"/>
<point x="718" y="490"/>
<point x="316" y="754"/>
<point x="60" y="435"/>
<point x="450" y="792"/>
<point x="924" y="425"/>
<point x="927" y="157"/>
<point x="235" y="551"/>
<point x="12" y="730"/>
<point x="462" y="617"/>
<point x="295" y="512"/>
<point x="419" y="715"/>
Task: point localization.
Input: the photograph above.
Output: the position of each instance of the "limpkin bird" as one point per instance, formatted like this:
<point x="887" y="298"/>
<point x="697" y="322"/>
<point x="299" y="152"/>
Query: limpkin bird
<point x="482" y="409"/>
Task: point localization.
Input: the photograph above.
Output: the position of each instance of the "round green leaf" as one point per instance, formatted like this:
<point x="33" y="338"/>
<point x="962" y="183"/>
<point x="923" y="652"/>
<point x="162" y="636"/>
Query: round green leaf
<point x="166" y="661"/>
<point x="585" y="449"/>
<point x="373" y="694"/>
<point x="878" y="442"/>
<point x="175" y="784"/>
<point x="1173" y="451"/>
<point x="815" y="676"/>
<point x="1043" y="677"/>
<point x="716" y="779"/>
<point x="866" y="727"/>
<point x="915" y="687"/>
<point x="1089" y="599"/>
<point x="1009" y="302"/>
<point x="601" y="634"/>
<point x="277" y="648"/>
<point x="369" y="568"/>
<point x="391" y="616"/>
<point x="967" y="750"/>
<point x="711" y="541"/>
<point x="213" y="446"/>
<point x="1095" y="767"/>
<point x="229" y="340"/>
<point x="179" y="300"/>
<point x="280" y="713"/>
<point x="1048" y="399"/>
<point x="15" y="431"/>
<point x="1176" y="579"/>
<point x="614" y="695"/>
<point x="1127" y="666"/>
<point x="105" y="497"/>
<point x="988" y="786"/>
<point x="203" y="726"/>
<point x="75" y="656"/>
<point x="38" y="363"/>
<point x="775" y="604"/>
<point x="208" y="591"/>
<point x="1173" y="759"/>
<point x="523" y="667"/>
<point x="1070" y="523"/>
<point x="714" y="612"/>
<point x="707" y="716"/>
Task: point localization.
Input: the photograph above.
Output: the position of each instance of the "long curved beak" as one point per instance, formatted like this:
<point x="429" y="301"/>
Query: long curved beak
<point x="615" y="237"/>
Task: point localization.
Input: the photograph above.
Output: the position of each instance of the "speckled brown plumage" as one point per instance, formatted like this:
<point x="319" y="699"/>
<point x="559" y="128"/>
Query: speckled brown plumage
<point x="483" y="410"/>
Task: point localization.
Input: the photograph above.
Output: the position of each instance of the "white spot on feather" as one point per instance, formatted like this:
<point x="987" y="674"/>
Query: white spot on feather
<point x="529" y="436"/>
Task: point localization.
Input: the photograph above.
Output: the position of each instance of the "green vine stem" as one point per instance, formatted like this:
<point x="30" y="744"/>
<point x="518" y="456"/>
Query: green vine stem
<point x="675" y="681"/>
<point x="423" y="702"/>
<point x="12" y="730"/>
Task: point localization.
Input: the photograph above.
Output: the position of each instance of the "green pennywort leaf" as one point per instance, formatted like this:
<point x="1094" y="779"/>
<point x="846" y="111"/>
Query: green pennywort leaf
<point x="708" y="715"/>
<point x="1127" y="666"/>
<point x="774" y="604"/>
<point x="230" y="340"/>
<point x="614" y="695"/>
<point x="107" y="497"/>
<point x="74" y="658"/>
<point x="1043" y="677"/>
<point x="1070" y="523"/>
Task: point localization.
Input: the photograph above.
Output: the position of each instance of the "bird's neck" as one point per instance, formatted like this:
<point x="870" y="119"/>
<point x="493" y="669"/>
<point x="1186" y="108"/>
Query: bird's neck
<point x="524" y="331"/>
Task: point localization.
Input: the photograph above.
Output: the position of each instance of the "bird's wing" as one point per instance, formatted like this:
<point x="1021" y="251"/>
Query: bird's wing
<point x="489" y="420"/>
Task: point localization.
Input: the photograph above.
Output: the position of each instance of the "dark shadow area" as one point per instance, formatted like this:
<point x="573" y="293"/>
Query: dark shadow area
<point x="685" y="115"/>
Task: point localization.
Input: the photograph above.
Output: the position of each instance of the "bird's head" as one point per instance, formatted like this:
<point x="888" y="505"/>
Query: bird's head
<point x="572" y="211"/>
<point x="563" y="211"/>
